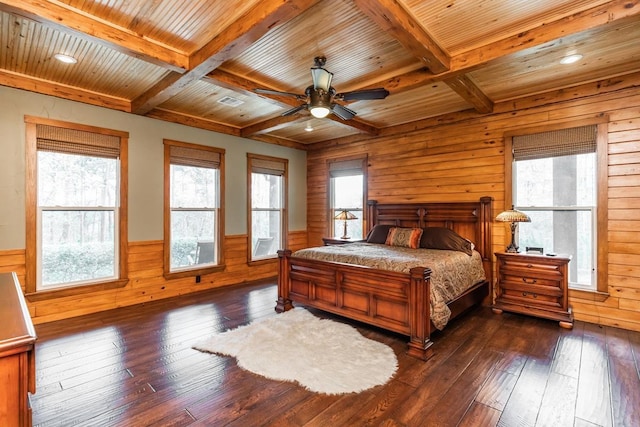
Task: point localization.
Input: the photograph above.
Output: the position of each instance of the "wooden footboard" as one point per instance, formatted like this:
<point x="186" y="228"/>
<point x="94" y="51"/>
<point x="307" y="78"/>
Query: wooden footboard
<point x="394" y="301"/>
<point x="397" y="302"/>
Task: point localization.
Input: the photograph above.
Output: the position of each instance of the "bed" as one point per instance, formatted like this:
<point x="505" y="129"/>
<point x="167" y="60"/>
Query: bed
<point x="397" y="301"/>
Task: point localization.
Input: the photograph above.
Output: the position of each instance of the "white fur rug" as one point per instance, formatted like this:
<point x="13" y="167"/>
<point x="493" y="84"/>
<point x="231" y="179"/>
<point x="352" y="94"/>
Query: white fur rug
<point x="322" y="355"/>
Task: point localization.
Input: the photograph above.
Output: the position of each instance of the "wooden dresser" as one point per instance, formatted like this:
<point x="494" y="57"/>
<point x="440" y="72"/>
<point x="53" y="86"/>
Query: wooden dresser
<point x="537" y="285"/>
<point x="17" y="354"/>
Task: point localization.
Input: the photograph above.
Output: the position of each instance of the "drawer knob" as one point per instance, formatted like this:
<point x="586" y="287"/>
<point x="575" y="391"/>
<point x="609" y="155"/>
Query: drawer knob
<point x="529" y="281"/>
<point x="529" y="265"/>
<point x="524" y="294"/>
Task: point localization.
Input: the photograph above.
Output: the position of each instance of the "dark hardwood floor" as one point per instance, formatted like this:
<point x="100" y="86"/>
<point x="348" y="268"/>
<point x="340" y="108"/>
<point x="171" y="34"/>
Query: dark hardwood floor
<point x="135" y="367"/>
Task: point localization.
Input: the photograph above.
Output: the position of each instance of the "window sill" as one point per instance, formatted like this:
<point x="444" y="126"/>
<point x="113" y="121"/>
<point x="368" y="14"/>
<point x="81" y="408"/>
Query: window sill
<point x="76" y="290"/>
<point x="595" y="296"/>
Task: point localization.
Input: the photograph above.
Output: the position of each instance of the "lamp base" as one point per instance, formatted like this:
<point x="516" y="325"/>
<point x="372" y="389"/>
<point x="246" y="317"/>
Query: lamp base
<point x="513" y="248"/>
<point x="344" y="233"/>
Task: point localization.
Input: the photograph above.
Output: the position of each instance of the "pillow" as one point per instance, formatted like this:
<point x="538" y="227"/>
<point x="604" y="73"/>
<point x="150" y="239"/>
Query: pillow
<point x="404" y="237"/>
<point x="378" y="233"/>
<point x="443" y="238"/>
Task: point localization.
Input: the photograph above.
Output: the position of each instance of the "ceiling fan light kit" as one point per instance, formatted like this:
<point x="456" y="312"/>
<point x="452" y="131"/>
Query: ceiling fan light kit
<point x="320" y="97"/>
<point x="321" y="77"/>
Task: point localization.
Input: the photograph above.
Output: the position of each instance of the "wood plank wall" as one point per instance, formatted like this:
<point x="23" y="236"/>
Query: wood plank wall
<point x="146" y="282"/>
<point x="459" y="157"/>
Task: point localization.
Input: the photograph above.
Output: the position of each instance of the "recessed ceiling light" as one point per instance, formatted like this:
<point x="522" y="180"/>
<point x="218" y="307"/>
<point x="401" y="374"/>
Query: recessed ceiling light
<point x="65" y="58"/>
<point x="570" y="59"/>
<point x="309" y="128"/>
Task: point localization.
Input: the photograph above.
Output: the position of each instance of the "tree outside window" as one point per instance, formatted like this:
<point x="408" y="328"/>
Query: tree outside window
<point x="193" y="209"/>
<point x="267" y="200"/>
<point x="555" y="184"/>
<point x="75" y="205"/>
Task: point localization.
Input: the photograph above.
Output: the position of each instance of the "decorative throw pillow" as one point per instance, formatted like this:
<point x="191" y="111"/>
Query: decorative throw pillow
<point x="404" y="237"/>
<point x="379" y="233"/>
<point x="444" y="238"/>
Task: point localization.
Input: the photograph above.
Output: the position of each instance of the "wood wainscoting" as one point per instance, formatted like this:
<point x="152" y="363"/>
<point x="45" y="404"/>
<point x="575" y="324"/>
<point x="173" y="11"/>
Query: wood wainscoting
<point x="146" y="280"/>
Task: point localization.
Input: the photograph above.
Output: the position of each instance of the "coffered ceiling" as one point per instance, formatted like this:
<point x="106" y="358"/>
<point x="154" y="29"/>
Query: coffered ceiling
<point x="199" y="62"/>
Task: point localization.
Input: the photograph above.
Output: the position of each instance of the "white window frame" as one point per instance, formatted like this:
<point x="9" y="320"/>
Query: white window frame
<point x="268" y="165"/>
<point x="600" y="243"/>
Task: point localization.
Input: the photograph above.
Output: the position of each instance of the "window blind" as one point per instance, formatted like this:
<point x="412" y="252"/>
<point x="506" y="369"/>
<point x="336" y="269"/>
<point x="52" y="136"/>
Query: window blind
<point x="186" y="156"/>
<point x="74" y="141"/>
<point x="563" y="142"/>
<point x="268" y="166"/>
<point x="341" y="168"/>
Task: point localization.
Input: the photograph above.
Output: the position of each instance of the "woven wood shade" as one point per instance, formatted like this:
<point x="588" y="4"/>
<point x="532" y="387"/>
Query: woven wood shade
<point x="563" y="142"/>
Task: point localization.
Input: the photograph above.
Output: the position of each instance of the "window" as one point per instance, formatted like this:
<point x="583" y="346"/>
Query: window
<point x="76" y="206"/>
<point x="347" y="189"/>
<point x="267" y="192"/>
<point x="555" y="182"/>
<point x="193" y="215"/>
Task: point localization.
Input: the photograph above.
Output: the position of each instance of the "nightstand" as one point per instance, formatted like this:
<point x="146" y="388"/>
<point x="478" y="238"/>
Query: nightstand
<point x="338" y="241"/>
<point x="537" y="285"/>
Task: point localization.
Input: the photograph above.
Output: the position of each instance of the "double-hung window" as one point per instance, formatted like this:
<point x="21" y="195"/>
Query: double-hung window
<point x="193" y="217"/>
<point x="267" y="182"/>
<point x="76" y="206"/>
<point x="555" y="182"/>
<point x="347" y="189"/>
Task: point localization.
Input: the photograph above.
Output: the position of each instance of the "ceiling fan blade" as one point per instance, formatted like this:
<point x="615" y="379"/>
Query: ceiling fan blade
<point x="294" y="110"/>
<point x="343" y="112"/>
<point x="359" y="95"/>
<point x="276" y="92"/>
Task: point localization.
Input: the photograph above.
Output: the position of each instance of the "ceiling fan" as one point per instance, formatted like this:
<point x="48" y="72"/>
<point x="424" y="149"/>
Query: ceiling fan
<point x="320" y="97"/>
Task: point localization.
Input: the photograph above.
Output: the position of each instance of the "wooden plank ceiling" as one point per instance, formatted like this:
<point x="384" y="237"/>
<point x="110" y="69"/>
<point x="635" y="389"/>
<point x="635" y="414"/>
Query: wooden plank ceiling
<point x="180" y="60"/>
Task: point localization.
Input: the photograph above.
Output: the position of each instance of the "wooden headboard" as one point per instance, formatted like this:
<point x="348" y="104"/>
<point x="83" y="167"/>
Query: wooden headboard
<point x="471" y="220"/>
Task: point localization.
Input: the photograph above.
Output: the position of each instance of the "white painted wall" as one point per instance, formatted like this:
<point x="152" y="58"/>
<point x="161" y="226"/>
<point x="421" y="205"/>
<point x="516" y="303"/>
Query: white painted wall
<point x="145" y="165"/>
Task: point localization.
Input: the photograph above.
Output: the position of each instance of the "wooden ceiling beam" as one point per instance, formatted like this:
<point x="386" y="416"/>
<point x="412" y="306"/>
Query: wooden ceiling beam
<point x="269" y="125"/>
<point x="356" y="124"/>
<point x="197" y="122"/>
<point x="394" y="19"/>
<point x="32" y="84"/>
<point x="545" y="33"/>
<point x="247" y="87"/>
<point x="64" y="18"/>
<point x="231" y="42"/>
<point x="469" y="91"/>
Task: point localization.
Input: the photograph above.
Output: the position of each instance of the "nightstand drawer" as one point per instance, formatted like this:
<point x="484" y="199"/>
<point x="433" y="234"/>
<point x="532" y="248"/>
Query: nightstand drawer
<point x="531" y="298"/>
<point x="530" y="279"/>
<point x="555" y="290"/>
<point x="540" y="295"/>
<point x="529" y="269"/>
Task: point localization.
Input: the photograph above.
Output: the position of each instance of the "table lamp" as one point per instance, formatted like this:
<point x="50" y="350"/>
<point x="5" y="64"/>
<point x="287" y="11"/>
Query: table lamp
<point x="513" y="216"/>
<point x="345" y="216"/>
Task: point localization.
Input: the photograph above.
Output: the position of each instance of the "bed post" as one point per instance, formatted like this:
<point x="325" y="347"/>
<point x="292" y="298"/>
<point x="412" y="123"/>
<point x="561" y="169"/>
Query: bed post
<point x="419" y="313"/>
<point x="486" y="234"/>
<point x="371" y="216"/>
<point x="283" y="303"/>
